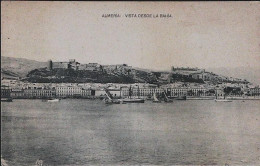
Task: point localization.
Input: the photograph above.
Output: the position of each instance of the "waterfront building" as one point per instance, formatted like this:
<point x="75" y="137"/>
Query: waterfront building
<point x="5" y="91"/>
<point x="124" y="91"/>
<point x="147" y="91"/>
<point x="254" y="91"/>
<point x="197" y="91"/>
<point x="177" y="91"/>
<point x="173" y="92"/>
<point x="68" y="91"/>
<point x="219" y="93"/>
<point x="187" y="91"/>
<point x="86" y="92"/>
<point x="142" y="92"/>
<point x="17" y="93"/>
<point x="100" y="92"/>
<point x="39" y="93"/>
<point x="73" y="91"/>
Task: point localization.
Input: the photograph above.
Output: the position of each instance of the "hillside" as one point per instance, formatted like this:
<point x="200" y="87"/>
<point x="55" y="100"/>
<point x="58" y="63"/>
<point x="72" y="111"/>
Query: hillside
<point x="18" y="67"/>
<point x="69" y="75"/>
<point x="249" y="73"/>
<point x="34" y="71"/>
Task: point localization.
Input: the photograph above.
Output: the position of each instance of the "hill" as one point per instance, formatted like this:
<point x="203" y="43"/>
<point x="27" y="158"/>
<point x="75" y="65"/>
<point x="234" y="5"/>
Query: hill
<point x="18" y="67"/>
<point x="34" y="71"/>
<point x="43" y="75"/>
<point x="249" y="73"/>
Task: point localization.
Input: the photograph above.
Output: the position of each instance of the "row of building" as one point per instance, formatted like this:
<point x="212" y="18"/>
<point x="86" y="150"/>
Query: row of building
<point x="46" y="92"/>
<point x="124" y="91"/>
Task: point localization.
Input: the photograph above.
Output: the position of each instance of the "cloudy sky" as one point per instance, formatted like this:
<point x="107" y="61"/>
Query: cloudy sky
<point x="199" y="34"/>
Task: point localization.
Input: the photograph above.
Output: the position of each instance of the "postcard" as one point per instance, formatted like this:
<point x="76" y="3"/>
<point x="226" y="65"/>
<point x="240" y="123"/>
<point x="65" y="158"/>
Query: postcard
<point x="130" y="83"/>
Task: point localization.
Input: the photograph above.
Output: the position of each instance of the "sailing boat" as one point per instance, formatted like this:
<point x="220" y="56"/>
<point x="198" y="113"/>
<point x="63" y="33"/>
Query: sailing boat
<point x="109" y="98"/>
<point x="155" y="99"/>
<point x="133" y="100"/>
<point x="166" y="99"/>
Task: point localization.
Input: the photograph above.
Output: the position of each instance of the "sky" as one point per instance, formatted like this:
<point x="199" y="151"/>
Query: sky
<point x="198" y="34"/>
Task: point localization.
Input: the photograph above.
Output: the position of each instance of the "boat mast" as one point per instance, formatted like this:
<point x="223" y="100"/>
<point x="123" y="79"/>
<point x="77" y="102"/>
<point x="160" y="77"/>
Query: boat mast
<point x="138" y="92"/>
<point x="165" y="95"/>
<point x="130" y="92"/>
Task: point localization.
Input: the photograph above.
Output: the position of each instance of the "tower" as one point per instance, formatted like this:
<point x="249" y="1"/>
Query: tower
<point x="49" y="65"/>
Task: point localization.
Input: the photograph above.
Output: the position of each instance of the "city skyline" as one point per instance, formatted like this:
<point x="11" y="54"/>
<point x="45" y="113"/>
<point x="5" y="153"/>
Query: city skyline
<point x="203" y="35"/>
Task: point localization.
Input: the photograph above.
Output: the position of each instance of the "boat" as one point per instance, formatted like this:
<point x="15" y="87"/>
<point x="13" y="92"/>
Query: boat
<point x="200" y="98"/>
<point x="223" y="100"/>
<point x="133" y="100"/>
<point x="155" y="99"/>
<point x="166" y="99"/>
<point x="6" y="99"/>
<point x="149" y="97"/>
<point x="108" y="101"/>
<point x="51" y="100"/>
<point x="179" y="98"/>
<point x="109" y="98"/>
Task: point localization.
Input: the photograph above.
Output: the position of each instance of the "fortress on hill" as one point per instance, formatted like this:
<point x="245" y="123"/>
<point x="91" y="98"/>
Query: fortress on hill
<point x="73" y="64"/>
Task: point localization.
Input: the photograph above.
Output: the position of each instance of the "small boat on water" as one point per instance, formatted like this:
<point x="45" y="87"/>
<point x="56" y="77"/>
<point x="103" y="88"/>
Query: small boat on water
<point x="180" y="98"/>
<point x="51" y="100"/>
<point x="149" y="98"/>
<point x="222" y="100"/>
<point x="133" y="100"/>
<point x="6" y="99"/>
<point x="108" y="101"/>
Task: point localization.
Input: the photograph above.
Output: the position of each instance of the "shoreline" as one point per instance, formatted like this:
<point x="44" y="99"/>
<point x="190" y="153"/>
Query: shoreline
<point x="101" y="98"/>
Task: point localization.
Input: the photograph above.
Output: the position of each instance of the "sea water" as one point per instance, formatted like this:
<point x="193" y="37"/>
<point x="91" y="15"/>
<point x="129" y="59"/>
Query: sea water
<point x="82" y="132"/>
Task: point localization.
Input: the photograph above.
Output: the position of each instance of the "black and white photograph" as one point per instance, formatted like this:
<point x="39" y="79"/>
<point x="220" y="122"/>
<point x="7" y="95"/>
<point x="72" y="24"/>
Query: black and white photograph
<point x="130" y="83"/>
